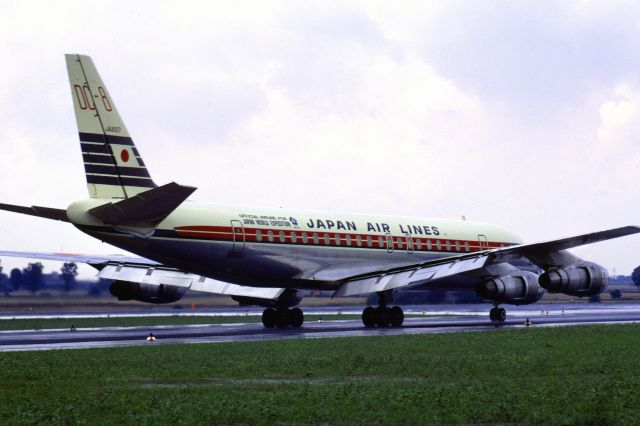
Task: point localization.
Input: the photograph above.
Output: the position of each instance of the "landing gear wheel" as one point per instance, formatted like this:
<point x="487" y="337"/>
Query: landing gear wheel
<point x="282" y="318"/>
<point x="396" y="316"/>
<point x="369" y="317"/>
<point x="382" y="317"/>
<point x="269" y="318"/>
<point x="501" y="314"/>
<point x="498" y="314"/>
<point x="296" y="317"/>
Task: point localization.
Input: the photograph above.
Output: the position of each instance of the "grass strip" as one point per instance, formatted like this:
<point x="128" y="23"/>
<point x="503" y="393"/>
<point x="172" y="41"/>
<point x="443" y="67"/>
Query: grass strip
<point x="568" y="375"/>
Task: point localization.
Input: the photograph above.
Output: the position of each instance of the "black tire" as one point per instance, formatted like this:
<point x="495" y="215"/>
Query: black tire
<point x="501" y="314"/>
<point x="492" y="314"/>
<point x="382" y="317"/>
<point x="269" y="318"/>
<point x="396" y="316"/>
<point x="282" y="318"/>
<point x="369" y="317"/>
<point x="296" y="317"/>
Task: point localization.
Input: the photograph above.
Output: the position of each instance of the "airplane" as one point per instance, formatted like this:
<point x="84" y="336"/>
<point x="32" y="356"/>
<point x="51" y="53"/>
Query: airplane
<point x="267" y="257"/>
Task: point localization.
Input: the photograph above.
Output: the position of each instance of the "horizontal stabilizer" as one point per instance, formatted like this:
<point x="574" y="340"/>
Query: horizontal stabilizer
<point x="46" y="212"/>
<point x="145" y="209"/>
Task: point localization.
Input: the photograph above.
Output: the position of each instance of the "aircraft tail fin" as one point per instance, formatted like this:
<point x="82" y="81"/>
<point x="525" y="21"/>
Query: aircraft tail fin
<point x="113" y="165"/>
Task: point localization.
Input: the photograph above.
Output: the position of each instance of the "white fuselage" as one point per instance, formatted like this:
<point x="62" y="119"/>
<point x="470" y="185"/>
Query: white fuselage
<point x="283" y="247"/>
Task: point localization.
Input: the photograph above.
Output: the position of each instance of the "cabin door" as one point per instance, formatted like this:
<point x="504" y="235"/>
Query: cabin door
<point x="484" y="243"/>
<point x="409" y="241"/>
<point x="238" y="236"/>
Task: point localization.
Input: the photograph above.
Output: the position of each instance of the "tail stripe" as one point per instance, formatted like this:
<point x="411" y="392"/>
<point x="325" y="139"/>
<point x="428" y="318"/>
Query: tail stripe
<point x="95" y="149"/>
<point x="98" y="159"/>
<point x="112" y="170"/>
<point x="95" y="137"/>
<point x="112" y="180"/>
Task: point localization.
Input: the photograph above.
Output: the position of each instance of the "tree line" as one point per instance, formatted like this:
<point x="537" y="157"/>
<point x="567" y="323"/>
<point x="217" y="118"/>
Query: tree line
<point x="33" y="279"/>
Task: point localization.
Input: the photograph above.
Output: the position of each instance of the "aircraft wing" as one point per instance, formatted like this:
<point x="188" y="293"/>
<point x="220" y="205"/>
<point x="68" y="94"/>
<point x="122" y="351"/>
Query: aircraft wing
<point x="156" y="275"/>
<point x="79" y="258"/>
<point x="544" y="254"/>
<point x="142" y="270"/>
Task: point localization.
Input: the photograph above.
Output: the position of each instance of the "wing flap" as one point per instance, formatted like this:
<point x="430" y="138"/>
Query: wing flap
<point x="409" y="276"/>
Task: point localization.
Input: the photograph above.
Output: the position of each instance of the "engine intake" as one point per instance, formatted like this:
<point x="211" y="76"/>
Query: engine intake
<point x="581" y="279"/>
<point x="163" y="293"/>
<point x="520" y="289"/>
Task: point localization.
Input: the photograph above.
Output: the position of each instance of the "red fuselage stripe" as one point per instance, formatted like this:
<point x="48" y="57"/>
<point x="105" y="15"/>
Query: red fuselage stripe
<point x="334" y="239"/>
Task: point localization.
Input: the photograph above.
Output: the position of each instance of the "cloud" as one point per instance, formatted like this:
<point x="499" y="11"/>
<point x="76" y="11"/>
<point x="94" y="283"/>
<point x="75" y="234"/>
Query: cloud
<point x="620" y="116"/>
<point x="523" y="114"/>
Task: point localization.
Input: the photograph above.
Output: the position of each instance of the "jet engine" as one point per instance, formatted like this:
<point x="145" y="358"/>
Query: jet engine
<point x="163" y="293"/>
<point x="581" y="279"/>
<point x="520" y="289"/>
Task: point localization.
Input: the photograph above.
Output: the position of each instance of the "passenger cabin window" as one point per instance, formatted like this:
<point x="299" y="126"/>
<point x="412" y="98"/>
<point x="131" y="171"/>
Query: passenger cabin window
<point x="369" y="241"/>
<point x="419" y="244"/>
<point x="305" y="239"/>
<point x="337" y="237"/>
<point x="293" y="237"/>
<point x="399" y="242"/>
<point x="258" y="235"/>
<point x="316" y="238"/>
<point x="380" y="241"/>
<point x="429" y="246"/>
<point x="358" y="240"/>
<point x="326" y="239"/>
<point x="438" y="245"/>
<point x="270" y="234"/>
<point x="348" y="239"/>
<point x="282" y="237"/>
<point x="466" y="246"/>
<point x="457" y="245"/>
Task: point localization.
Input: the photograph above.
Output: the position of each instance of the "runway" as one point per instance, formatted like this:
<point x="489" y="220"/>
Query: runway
<point x="453" y="318"/>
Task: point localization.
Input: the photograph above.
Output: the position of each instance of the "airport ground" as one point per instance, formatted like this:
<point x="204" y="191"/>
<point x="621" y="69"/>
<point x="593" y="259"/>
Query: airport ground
<point x="566" y="375"/>
<point x="543" y="374"/>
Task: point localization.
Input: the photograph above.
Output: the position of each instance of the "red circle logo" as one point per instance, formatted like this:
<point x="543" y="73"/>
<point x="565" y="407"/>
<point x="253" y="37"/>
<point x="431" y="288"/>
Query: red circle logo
<point x="124" y="155"/>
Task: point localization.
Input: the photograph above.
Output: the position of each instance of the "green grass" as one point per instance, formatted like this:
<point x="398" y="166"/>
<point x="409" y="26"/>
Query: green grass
<point x="144" y="321"/>
<point x="574" y="375"/>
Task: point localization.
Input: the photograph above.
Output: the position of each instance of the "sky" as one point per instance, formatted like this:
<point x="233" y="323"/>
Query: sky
<point x="524" y="114"/>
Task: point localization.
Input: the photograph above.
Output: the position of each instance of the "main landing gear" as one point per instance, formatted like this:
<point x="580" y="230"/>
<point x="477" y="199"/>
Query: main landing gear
<point x="282" y="317"/>
<point x="383" y="316"/>
<point x="497" y="314"/>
